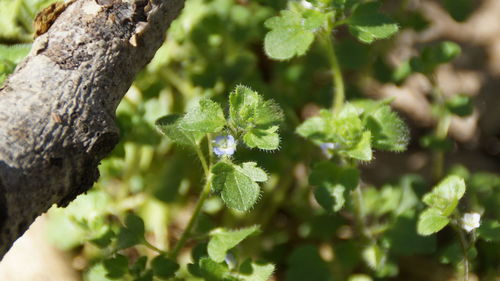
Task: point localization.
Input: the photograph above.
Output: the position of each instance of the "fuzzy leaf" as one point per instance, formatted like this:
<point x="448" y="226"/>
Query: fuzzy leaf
<point x="206" y="117"/>
<point x="389" y="132"/>
<point x="258" y="119"/>
<point x="171" y="126"/>
<point x="362" y="150"/>
<point x="238" y="190"/>
<point x="223" y="240"/>
<point x="291" y="33"/>
<point x="213" y="271"/>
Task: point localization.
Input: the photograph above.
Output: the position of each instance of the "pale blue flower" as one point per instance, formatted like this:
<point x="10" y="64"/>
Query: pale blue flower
<point x="224" y="145"/>
<point x="328" y="147"/>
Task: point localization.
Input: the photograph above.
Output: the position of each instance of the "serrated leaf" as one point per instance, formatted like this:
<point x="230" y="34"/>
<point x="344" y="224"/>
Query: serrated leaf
<point x="332" y="183"/>
<point x="171" y="127"/>
<point x="253" y="271"/>
<point x="291" y="33"/>
<point x="263" y="139"/>
<point x="116" y="266"/>
<point x="368" y="25"/>
<point x="446" y="194"/>
<point x="164" y="267"/>
<point x="222" y="240"/>
<point x="256" y="118"/>
<point x="431" y="221"/>
<point x="389" y="132"/>
<point x="237" y="189"/>
<point x="206" y="117"/>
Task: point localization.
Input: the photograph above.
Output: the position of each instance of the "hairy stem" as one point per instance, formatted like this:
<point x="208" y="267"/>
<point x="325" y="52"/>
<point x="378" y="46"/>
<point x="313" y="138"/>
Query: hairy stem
<point x="197" y="210"/>
<point x="338" y="80"/>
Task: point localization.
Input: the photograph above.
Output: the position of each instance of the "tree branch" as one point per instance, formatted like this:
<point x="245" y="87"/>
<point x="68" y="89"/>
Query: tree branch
<point x="57" y="110"/>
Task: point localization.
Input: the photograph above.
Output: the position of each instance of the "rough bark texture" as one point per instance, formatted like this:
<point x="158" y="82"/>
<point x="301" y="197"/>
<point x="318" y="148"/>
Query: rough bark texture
<point x="57" y="111"/>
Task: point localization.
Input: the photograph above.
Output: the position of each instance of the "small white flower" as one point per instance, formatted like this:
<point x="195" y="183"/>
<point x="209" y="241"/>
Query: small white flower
<point x="471" y="221"/>
<point x="224" y="145"/>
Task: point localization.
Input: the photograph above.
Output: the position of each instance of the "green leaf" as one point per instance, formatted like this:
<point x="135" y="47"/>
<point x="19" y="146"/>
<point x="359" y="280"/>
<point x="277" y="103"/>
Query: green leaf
<point x="445" y="196"/>
<point x="206" y="117"/>
<point x="489" y="231"/>
<point x="332" y="184"/>
<point x="263" y="139"/>
<point x="252" y="171"/>
<point x="363" y="149"/>
<point x="433" y="56"/>
<point x="255" y="271"/>
<point x="433" y="142"/>
<point x="172" y="127"/>
<point x="164" y="267"/>
<point x="256" y="118"/>
<point x="14" y="53"/>
<point x="213" y="271"/>
<point x="373" y="256"/>
<point x="133" y="232"/>
<point x="368" y="25"/>
<point x="431" y="221"/>
<point x="222" y="240"/>
<point x="460" y="105"/>
<point x="116" y="266"/>
<point x="403" y="230"/>
<point x="389" y="132"/>
<point x="238" y="190"/>
<point x="291" y="33"/>
<point x="139" y="266"/>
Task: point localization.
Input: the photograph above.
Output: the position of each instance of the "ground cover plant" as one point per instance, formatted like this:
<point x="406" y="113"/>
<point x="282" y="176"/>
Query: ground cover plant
<point x="248" y="148"/>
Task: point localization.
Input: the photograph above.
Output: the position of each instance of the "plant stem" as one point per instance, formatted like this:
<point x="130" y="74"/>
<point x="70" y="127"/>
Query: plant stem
<point x="463" y="246"/>
<point x="360" y="212"/>
<point x="441" y="130"/>
<point x="153" y="247"/>
<point x="197" y="210"/>
<point x="338" y="80"/>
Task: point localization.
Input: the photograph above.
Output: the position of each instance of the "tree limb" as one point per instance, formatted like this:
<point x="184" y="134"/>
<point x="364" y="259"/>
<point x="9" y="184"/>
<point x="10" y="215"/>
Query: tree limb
<point x="57" y="110"/>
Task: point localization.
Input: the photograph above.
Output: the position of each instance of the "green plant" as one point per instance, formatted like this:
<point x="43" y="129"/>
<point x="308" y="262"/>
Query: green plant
<point x="225" y="195"/>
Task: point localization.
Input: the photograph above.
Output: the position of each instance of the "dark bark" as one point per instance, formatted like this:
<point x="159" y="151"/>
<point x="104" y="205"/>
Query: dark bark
<point x="57" y="110"/>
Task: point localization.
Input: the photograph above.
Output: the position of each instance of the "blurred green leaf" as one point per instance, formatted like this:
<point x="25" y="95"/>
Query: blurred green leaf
<point x="132" y="233"/>
<point x="431" y="221"/>
<point x="332" y="183"/>
<point x="163" y="267"/>
<point x="460" y="105"/>
<point x="489" y="231"/>
<point x="368" y="25"/>
<point x="116" y="266"/>
<point x="255" y="271"/>
<point x="222" y="240"/>
<point x="446" y="194"/>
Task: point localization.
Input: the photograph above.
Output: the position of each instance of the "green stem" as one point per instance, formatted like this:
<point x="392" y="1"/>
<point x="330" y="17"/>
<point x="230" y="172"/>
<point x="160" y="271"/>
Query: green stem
<point x="441" y="130"/>
<point x="197" y="210"/>
<point x="153" y="247"/>
<point x="360" y="213"/>
<point x="338" y="80"/>
<point x="463" y="246"/>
